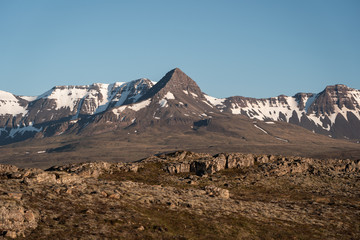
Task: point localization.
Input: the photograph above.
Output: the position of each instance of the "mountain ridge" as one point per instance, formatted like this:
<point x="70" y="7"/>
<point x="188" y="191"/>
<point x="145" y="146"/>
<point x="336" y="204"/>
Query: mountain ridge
<point x="175" y="99"/>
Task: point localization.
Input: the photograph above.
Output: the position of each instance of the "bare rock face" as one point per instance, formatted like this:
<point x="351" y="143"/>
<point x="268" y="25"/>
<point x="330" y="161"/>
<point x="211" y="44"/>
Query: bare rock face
<point x="240" y="160"/>
<point x="178" y="168"/>
<point x="187" y="162"/>
<point x="205" y="164"/>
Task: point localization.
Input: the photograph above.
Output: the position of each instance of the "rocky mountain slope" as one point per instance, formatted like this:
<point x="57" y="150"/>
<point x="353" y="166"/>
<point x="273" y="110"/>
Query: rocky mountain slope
<point x="184" y="195"/>
<point x="23" y="117"/>
<point x="176" y="100"/>
<point x="334" y="111"/>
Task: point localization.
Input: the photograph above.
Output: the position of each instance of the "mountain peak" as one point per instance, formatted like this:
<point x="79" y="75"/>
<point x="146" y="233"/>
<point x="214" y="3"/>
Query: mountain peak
<point x="176" y="70"/>
<point x="177" y="77"/>
<point x="337" y="87"/>
<point x="175" y="80"/>
<point x="334" y="98"/>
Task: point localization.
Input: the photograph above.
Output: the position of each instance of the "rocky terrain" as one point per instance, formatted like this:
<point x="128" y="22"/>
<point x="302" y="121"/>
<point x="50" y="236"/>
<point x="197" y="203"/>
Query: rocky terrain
<point x="184" y="195"/>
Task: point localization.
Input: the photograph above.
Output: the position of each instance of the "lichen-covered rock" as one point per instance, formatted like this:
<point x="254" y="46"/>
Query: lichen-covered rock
<point x="262" y="159"/>
<point x="244" y="160"/>
<point x="217" y="192"/>
<point x="90" y="169"/>
<point x="206" y="164"/>
<point x="4" y="168"/>
<point x="42" y="177"/>
<point x="178" y="168"/>
<point x="15" y="219"/>
<point x="67" y="178"/>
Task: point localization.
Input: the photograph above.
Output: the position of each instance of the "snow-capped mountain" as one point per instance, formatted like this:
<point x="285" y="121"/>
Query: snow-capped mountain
<point x="20" y="115"/>
<point x="176" y="96"/>
<point x="176" y="100"/>
<point x="334" y="111"/>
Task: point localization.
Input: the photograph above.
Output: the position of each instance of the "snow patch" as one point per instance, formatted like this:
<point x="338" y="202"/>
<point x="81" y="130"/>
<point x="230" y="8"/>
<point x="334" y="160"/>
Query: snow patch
<point x="135" y="107"/>
<point x="9" y="104"/>
<point x="138" y="106"/>
<point x="208" y="104"/>
<point x="6" y="96"/>
<point x="29" y="98"/>
<point x="260" y="129"/>
<point x="169" y="95"/>
<point x="163" y="103"/>
<point x="215" y="101"/>
<point x="67" y="97"/>
<point x="281" y="139"/>
<point x="22" y="130"/>
<point x="194" y="95"/>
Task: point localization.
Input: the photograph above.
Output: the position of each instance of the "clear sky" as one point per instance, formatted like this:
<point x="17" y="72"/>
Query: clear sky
<point x="249" y="48"/>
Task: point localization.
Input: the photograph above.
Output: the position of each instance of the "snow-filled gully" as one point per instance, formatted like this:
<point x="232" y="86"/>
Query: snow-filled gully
<point x="264" y="131"/>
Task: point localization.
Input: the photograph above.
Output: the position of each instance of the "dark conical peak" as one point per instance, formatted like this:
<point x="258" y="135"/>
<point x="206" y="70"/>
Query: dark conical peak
<point x="177" y="77"/>
<point x="174" y="81"/>
<point x="178" y="70"/>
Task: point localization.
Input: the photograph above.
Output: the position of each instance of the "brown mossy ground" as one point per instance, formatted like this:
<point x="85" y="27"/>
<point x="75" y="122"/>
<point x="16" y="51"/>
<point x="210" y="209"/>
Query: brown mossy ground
<point x="262" y="205"/>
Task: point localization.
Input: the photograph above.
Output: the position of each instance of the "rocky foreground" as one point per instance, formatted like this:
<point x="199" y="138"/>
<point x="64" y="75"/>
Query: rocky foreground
<point x="184" y="195"/>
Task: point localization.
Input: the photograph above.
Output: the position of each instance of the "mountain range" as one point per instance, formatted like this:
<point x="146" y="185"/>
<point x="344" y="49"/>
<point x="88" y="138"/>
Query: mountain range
<point x="177" y="101"/>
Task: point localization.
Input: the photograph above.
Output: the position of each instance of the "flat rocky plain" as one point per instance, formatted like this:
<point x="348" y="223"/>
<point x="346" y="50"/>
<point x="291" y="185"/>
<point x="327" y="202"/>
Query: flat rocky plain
<point x="184" y="195"/>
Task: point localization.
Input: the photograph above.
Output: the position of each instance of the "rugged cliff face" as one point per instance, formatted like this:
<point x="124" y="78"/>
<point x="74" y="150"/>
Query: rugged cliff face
<point x="334" y="112"/>
<point x="177" y="101"/>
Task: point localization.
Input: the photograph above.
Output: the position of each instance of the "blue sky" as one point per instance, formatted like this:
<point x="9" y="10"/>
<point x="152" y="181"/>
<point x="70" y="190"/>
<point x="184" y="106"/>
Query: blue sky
<point x="248" y="48"/>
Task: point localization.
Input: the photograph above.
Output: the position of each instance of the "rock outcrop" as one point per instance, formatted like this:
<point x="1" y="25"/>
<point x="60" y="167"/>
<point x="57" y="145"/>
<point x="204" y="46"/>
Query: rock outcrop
<point x="182" y="194"/>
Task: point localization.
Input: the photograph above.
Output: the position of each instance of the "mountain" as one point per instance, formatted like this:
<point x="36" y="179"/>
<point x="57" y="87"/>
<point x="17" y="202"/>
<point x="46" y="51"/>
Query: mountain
<point x="334" y="112"/>
<point x="23" y="117"/>
<point x="176" y="101"/>
<point x="114" y="155"/>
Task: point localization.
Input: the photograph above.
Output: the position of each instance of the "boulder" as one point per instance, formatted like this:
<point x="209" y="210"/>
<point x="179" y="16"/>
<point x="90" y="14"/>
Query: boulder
<point x="244" y="160"/>
<point x="217" y="192"/>
<point x="178" y="168"/>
